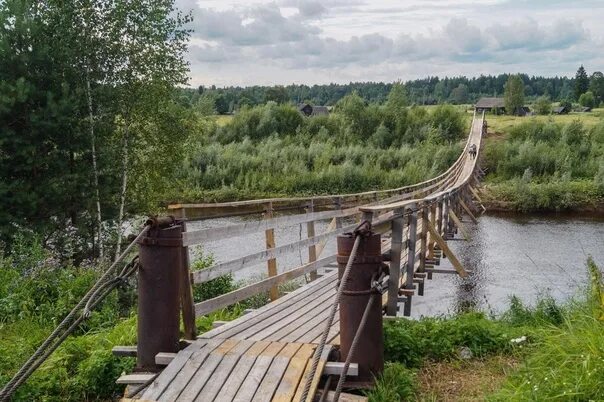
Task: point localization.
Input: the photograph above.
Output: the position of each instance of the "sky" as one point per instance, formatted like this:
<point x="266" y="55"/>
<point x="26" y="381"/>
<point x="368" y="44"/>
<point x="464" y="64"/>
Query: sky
<point x="280" y="42"/>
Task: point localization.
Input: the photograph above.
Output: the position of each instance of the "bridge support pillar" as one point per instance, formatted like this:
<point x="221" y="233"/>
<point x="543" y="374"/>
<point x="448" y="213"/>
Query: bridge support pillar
<point x="367" y="266"/>
<point x="161" y="260"/>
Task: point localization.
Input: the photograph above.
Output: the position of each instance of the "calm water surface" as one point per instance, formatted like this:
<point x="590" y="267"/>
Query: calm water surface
<point x="510" y="255"/>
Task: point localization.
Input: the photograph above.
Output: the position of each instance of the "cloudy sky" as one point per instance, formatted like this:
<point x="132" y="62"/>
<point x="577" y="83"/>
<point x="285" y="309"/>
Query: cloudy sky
<point x="314" y="42"/>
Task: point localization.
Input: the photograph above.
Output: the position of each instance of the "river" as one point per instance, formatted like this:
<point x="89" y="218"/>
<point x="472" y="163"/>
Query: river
<point x="520" y="255"/>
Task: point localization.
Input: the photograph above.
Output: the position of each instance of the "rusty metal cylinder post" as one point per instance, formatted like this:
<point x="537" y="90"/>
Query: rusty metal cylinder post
<point x="367" y="266"/>
<point x="161" y="259"/>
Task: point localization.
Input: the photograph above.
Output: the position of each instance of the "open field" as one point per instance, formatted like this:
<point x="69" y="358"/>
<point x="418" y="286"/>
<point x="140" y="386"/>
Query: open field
<point x="503" y="123"/>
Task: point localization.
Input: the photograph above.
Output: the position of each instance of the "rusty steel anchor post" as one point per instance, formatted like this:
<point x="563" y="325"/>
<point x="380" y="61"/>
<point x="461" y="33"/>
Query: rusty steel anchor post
<point x="161" y="259"/>
<point x="369" y="353"/>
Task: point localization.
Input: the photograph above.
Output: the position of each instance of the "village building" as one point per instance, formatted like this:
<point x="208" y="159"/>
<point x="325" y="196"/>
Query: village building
<point x="561" y="110"/>
<point x="309" y="110"/>
<point x="494" y="105"/>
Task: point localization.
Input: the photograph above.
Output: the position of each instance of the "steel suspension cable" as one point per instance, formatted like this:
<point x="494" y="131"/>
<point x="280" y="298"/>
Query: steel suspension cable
<point x="332" y="312"/>
<point x="65" y="328"/>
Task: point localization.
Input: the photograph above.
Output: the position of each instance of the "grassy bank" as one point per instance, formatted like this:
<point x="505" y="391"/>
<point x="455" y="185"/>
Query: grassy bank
<point x="545" y="163"/>
<point x="271" y="150"/>
<point x="547" y="352"/>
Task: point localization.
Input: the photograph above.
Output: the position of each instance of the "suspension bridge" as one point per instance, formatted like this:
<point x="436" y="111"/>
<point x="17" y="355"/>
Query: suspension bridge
<point x="313" y="342"/>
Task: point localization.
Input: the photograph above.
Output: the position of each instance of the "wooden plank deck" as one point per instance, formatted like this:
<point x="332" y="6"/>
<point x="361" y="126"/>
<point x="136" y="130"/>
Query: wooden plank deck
<point x="261" y="356"/>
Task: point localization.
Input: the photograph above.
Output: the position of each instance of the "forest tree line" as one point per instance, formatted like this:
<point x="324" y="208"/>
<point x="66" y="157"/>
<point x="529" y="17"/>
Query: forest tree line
<point x="426" y="91"/>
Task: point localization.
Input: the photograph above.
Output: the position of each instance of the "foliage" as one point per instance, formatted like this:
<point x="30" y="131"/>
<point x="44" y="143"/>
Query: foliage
<point x="563" y="161"/>
<point x="514" y="94"/>
<point x="411" y="342"/>
<point x="78" y="75"/>
<point x="581" y="82"/>
<point x="543" y="105"/>
<point x="596" y="86"/>
<point x="567" y="361"/>
<point x="397" y="383"/>
<point x="215" y="287"/>
<point x="425" y="91"/>
<point x="587" y="99"/>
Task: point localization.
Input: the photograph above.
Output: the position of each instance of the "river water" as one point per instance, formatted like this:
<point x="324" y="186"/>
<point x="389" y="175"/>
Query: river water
<point x="520" y="255"/>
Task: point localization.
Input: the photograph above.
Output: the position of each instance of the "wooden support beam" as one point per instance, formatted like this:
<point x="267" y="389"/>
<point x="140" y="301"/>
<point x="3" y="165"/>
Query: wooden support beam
<point x="443" y="245"/>
<point x="337" y="368"/>
<point x="133" y="379"/>
<point x="124" y="351"/>
<point x="460" y="225"/>
<point x="396" y="249"/>
<point x="312" y="249"/>
<point x="412" y="241"/>
<point x="164" y="358"/>
<point x="444" y="271"/>
<point x="468" y="211"/>
<point x="187" y="304"/>
<point x="322" y="243"/>
<point x="475" y="194"/>
<point x="272" y="263"/>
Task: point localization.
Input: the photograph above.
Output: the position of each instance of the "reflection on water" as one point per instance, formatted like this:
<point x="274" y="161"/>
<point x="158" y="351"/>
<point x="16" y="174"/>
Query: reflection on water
<point x="516" y="255"/>
<point x="510" y="255"/>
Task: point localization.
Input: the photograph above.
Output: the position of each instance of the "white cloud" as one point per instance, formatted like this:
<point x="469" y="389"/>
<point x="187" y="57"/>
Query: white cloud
<point x="334" y="40"/>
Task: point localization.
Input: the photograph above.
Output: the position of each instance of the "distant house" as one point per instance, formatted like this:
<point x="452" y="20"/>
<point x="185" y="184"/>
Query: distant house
<point x="523" y="111"/>
<point x="309" y="110"/>
<point x="561" y="110"/>
<point x="495" y="105"/>
<point x="585" y="109"/>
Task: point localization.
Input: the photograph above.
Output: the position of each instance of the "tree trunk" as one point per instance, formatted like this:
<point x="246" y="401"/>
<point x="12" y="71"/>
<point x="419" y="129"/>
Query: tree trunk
<point x="99" y="219"/>
<point x="118" y="247"/>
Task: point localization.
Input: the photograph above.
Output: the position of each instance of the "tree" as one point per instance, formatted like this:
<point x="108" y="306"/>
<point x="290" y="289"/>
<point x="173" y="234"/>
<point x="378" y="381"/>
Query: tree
<point x="460" y="94"/>
<point x="543" y="105"/>
<point x="276" y="94"/>
<point x="514" y="94"/>
<point x="587" y="99"/>
<point x="581" y="82"/>
<point x="596" y="86"/>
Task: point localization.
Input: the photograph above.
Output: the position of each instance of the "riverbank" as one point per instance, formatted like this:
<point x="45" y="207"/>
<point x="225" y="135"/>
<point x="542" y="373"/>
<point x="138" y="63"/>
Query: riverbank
<point x="572" y="198"/>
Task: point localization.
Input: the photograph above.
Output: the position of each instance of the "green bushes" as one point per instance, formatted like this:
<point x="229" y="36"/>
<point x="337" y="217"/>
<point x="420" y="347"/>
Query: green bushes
<point x="547" y="166"/>
<point x="412" y="342"/>
<point x="567" y="361"/>
<point x="397" y="383"/>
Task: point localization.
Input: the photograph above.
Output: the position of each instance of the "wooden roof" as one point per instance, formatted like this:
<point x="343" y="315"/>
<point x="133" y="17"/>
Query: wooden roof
<point x="490" y="103"/>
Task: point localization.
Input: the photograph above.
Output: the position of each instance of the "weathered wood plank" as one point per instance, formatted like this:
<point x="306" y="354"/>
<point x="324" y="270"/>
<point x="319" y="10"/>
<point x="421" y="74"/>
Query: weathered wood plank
<point x="237" y="264"/>
<point x="240" y="371"/>
<point x="155" y="389"/>
<point x="275" y="372"/>
<point x="256" y="374"/>
<point x="137" y="378"/>
<point x="243" y="293"/>
<point x="185" y="372"/>
<point x="315" y="380"/>
<point x="265" y="312"/>
<point x="212" y="387"/>
<point x="201" y="373"/>
<point x="443" y="245"/>
<point x="292" y="376"/>
<point x="124" y="351"/>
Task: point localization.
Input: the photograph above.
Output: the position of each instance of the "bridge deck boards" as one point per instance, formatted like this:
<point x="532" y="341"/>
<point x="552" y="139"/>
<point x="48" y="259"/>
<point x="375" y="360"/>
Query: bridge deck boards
<point x="260" y="356"/>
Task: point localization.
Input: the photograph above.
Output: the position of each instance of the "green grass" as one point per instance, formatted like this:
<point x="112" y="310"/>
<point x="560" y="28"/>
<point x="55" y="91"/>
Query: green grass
<point x="504" y="123"/>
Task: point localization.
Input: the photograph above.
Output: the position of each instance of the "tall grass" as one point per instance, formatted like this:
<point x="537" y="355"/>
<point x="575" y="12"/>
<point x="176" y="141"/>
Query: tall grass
<point x="543" y="165"/>
<point x="273" y="150"/>
<point x="567" y="361"/>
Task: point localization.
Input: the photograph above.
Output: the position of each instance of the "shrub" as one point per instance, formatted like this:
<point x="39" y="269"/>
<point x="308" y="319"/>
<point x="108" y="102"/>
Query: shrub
<point x="543" y="105"/>
<point x="397" y="383"/>
<point x="411" y="342"/>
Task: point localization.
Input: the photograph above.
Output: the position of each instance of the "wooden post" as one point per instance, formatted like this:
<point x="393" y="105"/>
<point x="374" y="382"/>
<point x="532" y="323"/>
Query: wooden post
<point x="439" y="222"/>
<point x="411" y="257"/>
<point x="443" y="245"/>
<point x="310" y="231"/>
<point x="460" y="225"/>
<point x="466" y="208"/>
<point x="338" y="206"/>
<point x="431" y="242"/>
<point x="395" y="263"/>
<point x="423" y="247"/>
<point x="270" y="243"/>
<point x="187" y="303"/>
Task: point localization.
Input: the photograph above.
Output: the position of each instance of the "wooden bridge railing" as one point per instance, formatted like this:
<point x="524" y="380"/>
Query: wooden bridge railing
<point x="418" y="218"/>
